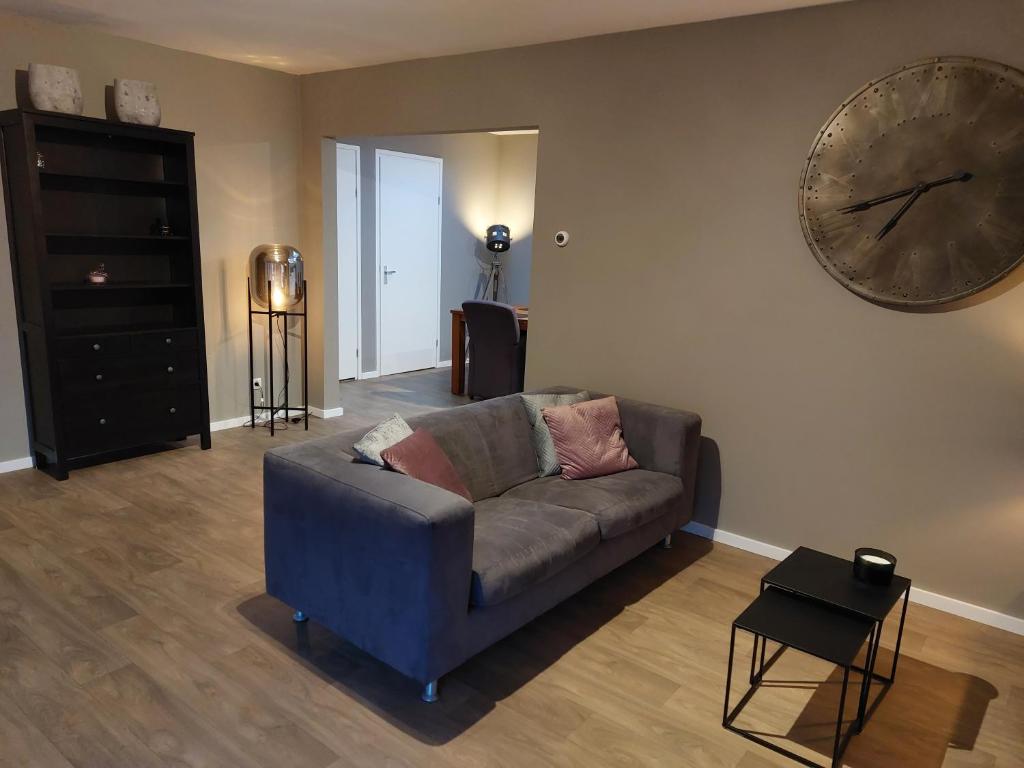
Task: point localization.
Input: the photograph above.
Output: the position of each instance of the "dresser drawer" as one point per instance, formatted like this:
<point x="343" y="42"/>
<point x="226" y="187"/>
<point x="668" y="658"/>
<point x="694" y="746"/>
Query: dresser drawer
<point x="148" y="343"/>
<point x="131" y="417"/>
<point x="92" y="346"/>
<point x="95" y="373"/>
<point x="81" y="375"/>
<point x="170" y="413"/>
<point x="94" y="427"/>
<point x="166" y="370"/>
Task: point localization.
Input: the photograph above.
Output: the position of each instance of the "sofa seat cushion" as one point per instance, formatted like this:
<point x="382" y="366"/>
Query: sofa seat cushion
<point x="517" y="543"/>
<point x="619" y="503"/>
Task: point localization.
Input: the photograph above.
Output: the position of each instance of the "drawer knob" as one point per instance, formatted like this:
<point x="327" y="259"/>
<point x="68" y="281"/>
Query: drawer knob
<point x="96" y="347"/>
<point x="103" y="421"/>
<point x="170" y="369"/>
<point x="173" y="409"/>
<point x="99" y="377"/>
<point x="167" y="340"/>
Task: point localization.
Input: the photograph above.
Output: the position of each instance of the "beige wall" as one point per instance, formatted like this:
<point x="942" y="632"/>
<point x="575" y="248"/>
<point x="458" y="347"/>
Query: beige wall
<point x="673" y="156"/>
<point x="246" y="122"/>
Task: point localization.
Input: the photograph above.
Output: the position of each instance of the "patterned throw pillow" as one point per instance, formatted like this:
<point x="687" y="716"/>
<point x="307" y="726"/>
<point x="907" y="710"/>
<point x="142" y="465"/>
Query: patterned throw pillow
<point x="547" y="461"/>
<point x="588" y="439"/>
<point x="420" y="456"/>
<point x="384" y="435"/>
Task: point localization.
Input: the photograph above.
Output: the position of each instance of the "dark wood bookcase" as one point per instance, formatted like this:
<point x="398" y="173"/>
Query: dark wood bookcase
<point x="113" y="367"/>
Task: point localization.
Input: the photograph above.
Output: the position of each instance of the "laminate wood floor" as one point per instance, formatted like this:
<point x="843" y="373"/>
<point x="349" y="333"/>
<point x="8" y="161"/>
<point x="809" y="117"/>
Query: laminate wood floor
<point x="135" y="631"/>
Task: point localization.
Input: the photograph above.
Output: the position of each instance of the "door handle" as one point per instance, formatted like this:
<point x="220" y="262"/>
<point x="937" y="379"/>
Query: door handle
<point x="388" y="272"/>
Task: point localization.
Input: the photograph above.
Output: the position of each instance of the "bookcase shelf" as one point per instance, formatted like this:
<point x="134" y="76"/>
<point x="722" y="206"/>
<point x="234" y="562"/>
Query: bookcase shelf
<point x="68" y="182"/>
<point x="128" y="285"/>
<point x="108" y="367"/>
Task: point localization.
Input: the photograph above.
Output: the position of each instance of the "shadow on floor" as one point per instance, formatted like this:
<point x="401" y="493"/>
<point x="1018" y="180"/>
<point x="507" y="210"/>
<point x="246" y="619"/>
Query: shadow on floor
<point x="470" y="692"/>
<point x="912" y="723"/>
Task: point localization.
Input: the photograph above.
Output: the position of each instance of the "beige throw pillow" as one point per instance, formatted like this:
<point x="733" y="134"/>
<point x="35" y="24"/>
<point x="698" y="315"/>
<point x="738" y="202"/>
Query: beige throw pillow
<point x="380" y="438"/>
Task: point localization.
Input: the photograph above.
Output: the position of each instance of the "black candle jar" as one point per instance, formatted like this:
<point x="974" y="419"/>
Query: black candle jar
<point x="873" y="566"/>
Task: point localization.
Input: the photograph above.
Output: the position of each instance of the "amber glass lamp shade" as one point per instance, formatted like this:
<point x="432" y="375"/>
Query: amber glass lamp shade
<point x="280" y="266"/>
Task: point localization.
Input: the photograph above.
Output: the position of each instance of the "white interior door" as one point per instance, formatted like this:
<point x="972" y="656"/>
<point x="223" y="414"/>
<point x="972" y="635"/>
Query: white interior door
<point x="349" y="325"/>
<point x="408" y="260"/>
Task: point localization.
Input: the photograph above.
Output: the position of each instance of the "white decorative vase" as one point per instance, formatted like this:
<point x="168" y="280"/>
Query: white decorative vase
<point x="55" y="89"/>
<point x="135" y="101"/>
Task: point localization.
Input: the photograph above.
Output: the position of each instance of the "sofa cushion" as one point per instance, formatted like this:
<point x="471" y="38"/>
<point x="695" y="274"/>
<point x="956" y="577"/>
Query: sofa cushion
<point x="384" y="435"/>
<point x="421" y="457"/>
<point x="518" y="543"/>
<point x="619" y="502"/>
<point x="588" y="439"/>
<point x="547" y="460"/>
<point x="489" y="443"/>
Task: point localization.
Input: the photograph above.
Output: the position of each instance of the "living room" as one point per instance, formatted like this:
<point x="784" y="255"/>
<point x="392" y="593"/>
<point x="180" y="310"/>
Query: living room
<point x="698" y="251"/>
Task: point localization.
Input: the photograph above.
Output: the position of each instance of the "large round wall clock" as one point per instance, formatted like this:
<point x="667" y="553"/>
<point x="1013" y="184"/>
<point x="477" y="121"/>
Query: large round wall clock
<point x="913" y="192"/>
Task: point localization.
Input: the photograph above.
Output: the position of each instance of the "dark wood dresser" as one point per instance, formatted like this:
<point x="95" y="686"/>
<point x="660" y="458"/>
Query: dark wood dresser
<point x="108" y="367"/>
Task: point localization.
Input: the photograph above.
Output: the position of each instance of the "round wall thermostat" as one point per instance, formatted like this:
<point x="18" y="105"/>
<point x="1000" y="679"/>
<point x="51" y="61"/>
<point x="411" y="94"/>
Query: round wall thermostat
<point x="561" y="238"/>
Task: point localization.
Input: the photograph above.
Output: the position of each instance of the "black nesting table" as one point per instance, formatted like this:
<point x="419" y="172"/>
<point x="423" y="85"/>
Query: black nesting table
<point x="812" y="603"/>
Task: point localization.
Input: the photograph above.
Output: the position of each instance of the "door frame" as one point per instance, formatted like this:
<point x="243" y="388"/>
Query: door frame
<point x="358" y="314"/>
<point x="439" y="162"/>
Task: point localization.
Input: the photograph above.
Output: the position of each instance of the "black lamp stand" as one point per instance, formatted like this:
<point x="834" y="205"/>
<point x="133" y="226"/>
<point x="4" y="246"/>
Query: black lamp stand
<point x="272" y="313"/>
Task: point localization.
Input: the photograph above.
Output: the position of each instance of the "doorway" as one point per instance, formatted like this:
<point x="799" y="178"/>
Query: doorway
<point x="408" y="260"/>
<point x="349" y="249"/>
<point x="488" y="177"/>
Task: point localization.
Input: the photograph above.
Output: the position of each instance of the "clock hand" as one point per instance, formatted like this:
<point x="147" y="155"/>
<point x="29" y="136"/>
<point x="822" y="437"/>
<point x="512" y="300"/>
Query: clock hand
<point x="958" y="176"/>
<point x="918" y="191"/>
<point x="866" y="204"/>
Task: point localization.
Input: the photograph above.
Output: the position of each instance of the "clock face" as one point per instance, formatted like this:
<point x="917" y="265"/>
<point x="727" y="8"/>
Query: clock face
<point x="913" y="192"/>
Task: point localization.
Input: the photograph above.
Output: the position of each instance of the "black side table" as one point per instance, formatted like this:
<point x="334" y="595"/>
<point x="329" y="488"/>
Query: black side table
<point x="829" y="579"/>
<point x="813" y="627"/>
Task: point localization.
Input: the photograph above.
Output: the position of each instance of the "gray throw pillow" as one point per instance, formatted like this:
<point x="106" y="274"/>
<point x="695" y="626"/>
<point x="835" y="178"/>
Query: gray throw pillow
<point x="543" y="446"/>
<point x="380" y="438"/>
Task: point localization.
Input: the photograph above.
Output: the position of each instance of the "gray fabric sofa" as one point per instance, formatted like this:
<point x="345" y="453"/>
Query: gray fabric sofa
<point x="422" y="579"/>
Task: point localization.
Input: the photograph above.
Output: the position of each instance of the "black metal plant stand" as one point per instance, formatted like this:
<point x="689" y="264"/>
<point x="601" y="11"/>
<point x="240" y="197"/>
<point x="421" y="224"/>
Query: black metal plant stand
<point x="271" y="314"/>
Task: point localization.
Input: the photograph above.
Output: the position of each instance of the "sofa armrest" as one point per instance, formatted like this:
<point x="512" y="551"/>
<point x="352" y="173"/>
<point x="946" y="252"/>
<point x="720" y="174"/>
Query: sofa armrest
<point x="380" y="558"/>
<point x="663" y="439"/>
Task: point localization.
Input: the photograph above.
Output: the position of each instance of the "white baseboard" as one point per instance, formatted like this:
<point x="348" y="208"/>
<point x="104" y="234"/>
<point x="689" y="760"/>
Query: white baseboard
<point x="237" y="421"/>
<point x="920" y="596"/>
<point x="330" y="413"/>
<point x="444" y="364"/>
<point x="735" y="540"/>
<point x="369" y="375"/>
<point x="13" y="465"/>
<point x="967" y="610"/>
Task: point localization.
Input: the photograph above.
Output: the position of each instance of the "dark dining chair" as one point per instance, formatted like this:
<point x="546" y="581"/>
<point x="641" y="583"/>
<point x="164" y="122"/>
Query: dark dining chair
<point x="497" y="350"/>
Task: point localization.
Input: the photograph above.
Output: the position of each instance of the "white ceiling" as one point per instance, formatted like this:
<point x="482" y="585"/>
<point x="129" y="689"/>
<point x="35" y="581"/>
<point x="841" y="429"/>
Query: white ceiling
<point x="302" y="36"/>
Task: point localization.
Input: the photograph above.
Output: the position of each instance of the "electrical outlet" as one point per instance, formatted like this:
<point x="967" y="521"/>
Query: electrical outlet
<point x="257" y="388"/>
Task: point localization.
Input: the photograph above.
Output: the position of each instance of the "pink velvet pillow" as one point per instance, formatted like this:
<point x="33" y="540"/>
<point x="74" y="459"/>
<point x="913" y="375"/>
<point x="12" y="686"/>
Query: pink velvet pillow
<point x="588" y="438"/>
<point x="420" y="456"/>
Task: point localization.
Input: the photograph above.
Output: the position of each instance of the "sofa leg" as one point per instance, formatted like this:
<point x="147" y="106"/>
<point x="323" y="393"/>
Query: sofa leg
<point x="666" y="543"/>
<point x="429" y="694"/>
<point x="298" y="617"/>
